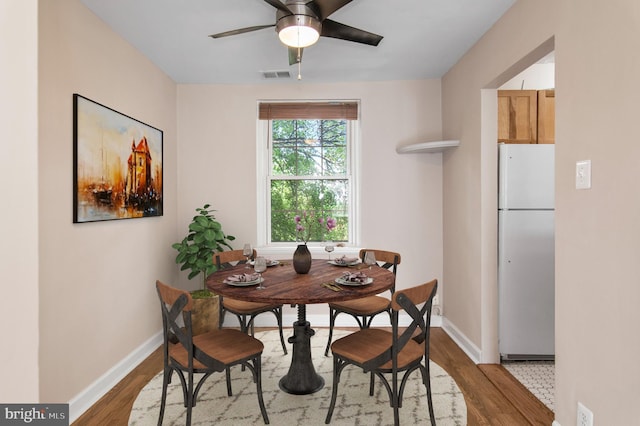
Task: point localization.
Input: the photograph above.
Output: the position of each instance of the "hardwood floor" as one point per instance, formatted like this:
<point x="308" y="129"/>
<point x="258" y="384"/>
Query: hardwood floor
<point x="492" y="395"/>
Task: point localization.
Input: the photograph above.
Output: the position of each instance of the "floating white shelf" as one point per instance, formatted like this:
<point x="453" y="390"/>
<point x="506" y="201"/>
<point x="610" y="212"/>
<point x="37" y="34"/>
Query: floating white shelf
<point x="427" y="147"/>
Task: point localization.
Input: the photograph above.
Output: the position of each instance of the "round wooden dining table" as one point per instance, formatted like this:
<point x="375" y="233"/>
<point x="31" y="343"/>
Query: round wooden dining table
<point x="284" y="286"/>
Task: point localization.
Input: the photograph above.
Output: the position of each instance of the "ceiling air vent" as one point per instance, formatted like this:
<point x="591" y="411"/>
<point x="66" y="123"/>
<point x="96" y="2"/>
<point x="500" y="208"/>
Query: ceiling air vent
<point x="269" y="75"/>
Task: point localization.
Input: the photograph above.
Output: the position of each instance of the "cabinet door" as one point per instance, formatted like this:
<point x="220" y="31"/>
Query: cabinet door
<point x="546" y="116"/>
<point x="517" y="116"/>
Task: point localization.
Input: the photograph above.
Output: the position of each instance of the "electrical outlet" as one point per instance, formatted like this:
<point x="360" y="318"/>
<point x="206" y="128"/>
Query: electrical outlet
<point x="436" y="300"/>
<point x="585" y="416"/>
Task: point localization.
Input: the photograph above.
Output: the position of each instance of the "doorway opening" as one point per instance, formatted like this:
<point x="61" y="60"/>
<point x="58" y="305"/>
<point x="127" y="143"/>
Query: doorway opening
<point x="530" y="73"/>
<point x="534" y="86"/>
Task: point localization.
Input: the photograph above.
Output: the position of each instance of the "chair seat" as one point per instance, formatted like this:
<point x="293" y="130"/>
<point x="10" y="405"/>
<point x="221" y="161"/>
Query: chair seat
<point x="245" y="308"/>
<point x="369" y="305"/>
<point x="226" y="345"/>
<point x="367" y="344"/>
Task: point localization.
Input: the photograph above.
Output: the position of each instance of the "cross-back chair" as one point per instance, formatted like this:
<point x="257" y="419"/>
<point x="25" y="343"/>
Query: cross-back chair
<point x="365" y="308"/>
<point x="206" y="353"/>
<point x="246" y="312"/>
<point x="382" y="352"/>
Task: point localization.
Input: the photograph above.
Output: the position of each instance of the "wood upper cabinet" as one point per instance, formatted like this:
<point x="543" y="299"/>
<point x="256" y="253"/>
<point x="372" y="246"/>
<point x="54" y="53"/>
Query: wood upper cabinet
<point x="546" y="116"/>
<point x="517" y="116"/>
<point x="526" y="116"/>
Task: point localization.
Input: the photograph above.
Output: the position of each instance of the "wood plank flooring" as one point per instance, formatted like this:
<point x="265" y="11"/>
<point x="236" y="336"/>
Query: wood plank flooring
<point x="492" y="395"/>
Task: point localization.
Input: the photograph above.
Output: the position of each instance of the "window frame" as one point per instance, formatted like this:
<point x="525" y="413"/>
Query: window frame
<point x="264" y="177"/>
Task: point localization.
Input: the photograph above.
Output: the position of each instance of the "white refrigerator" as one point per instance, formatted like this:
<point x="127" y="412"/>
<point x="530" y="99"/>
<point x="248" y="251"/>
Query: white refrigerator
<point x="526" y="251"/>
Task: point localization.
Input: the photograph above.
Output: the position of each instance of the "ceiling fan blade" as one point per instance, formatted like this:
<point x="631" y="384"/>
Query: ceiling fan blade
<point x="241" y="31"/>
<point x="324" y="8"/>
<point x="280" y="6"/>
<point x="294" y="56"/>
<point x="337" y="30"/>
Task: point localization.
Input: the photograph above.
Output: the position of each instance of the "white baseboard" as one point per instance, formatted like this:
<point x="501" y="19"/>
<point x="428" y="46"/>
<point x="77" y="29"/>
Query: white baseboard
<point x="85" y="399"/>
<point x="555" y="423"/>
<point x="462" y="341"/>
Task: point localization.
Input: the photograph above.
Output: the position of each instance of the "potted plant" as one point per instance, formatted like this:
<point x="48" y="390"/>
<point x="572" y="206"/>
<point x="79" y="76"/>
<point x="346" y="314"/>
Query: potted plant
<point x="195" y="253"/>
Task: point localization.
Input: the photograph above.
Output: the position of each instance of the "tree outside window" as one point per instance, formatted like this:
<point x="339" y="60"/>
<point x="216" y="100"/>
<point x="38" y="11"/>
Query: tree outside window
<point x="309" y="175"/>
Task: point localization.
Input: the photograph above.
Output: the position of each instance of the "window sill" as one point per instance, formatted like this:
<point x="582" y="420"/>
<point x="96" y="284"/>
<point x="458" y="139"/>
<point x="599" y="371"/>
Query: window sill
<point x="317" y="251"/>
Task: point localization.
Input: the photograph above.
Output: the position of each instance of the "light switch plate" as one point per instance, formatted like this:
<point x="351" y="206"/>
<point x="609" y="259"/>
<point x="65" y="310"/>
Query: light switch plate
<point x="583" y="174"/>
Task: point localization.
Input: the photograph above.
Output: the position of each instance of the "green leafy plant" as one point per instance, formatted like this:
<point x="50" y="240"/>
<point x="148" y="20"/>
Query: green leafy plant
<point x="205" y="237"/>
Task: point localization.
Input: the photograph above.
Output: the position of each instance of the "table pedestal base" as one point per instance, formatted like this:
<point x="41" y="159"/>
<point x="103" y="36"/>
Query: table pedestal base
<point x="302" y="378"/>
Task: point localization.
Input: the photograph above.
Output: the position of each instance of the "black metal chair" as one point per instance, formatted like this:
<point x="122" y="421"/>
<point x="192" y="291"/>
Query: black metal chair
<point x="206" y="353"/>
<point x="246" y="312"/>
<point x="382" y="352"/>
<point x="365" y="308"/>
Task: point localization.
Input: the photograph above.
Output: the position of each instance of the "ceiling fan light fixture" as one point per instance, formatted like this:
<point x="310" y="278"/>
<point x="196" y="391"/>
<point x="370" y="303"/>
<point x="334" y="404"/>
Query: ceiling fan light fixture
<point x="298" y="30"/>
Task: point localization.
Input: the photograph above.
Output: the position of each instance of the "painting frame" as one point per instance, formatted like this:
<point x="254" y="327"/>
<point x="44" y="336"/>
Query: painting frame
<point x="117" y="164"/>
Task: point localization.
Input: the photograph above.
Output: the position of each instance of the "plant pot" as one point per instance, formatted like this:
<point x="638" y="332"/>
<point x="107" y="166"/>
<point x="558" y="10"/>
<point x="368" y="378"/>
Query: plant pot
<point x="302" y="259"/>
<point x="204" y="315"/>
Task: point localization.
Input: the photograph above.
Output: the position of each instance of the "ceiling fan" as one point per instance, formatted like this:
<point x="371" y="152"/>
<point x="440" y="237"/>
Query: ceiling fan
<point x="299" y="24"/>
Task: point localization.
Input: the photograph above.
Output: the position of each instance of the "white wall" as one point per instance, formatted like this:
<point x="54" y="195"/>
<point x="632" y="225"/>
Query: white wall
<point x="536" y="77"/>
<point x="401" y="198"/>
<point x="598" y="234"/>
<point x="470" y="172"/>
<point x="597" y="231"/>
<point x="97" y="294"/>
<point x="19" y="212"/>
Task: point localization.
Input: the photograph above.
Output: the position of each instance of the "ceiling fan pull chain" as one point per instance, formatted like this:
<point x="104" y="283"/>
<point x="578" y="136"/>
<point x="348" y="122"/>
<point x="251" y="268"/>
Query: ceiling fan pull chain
<point x="299" y="65"/>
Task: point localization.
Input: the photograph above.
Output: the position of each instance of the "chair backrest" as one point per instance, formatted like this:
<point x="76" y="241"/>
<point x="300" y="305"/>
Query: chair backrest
<point x="390" y="260"/>
<point x="223" y="259"/>
<point x="174" y="304"/>
<point x="417" y="302"/>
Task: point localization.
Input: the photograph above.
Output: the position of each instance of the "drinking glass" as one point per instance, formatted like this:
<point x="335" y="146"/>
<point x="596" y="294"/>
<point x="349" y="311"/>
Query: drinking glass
<point x="247" y="252"/>
<point x="329" y="247"/>
<point x="370" y="258"/>
<point x="260" y="265"/>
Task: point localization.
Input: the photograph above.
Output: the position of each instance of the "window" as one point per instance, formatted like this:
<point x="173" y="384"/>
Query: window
<point x="308" y="169"/>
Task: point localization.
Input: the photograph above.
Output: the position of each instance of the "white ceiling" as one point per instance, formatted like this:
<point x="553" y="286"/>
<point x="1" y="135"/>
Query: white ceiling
<point x="422" y="38"/>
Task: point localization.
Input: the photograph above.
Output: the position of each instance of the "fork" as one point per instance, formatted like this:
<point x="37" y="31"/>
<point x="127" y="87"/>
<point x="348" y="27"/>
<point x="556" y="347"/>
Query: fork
<point x="331" y="286"/>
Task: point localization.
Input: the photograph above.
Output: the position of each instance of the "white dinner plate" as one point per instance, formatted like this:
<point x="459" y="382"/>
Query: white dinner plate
<point x="243" y="283"/>
<point x="342" y="281"/>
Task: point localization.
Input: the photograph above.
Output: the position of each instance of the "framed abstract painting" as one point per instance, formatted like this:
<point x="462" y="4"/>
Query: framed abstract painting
<point x="117" y="164"/>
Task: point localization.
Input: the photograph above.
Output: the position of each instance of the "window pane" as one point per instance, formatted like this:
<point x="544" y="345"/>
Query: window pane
<point x="309" y="147"/>
<point x="297" y="160"/>
<point x="309" y="177"/>
<point x="320" y="198"/>
<point x="335" y="160"/>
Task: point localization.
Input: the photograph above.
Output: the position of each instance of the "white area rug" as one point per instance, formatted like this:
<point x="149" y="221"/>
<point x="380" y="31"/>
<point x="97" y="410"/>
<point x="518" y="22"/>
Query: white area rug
<point x="353" y="407"/>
